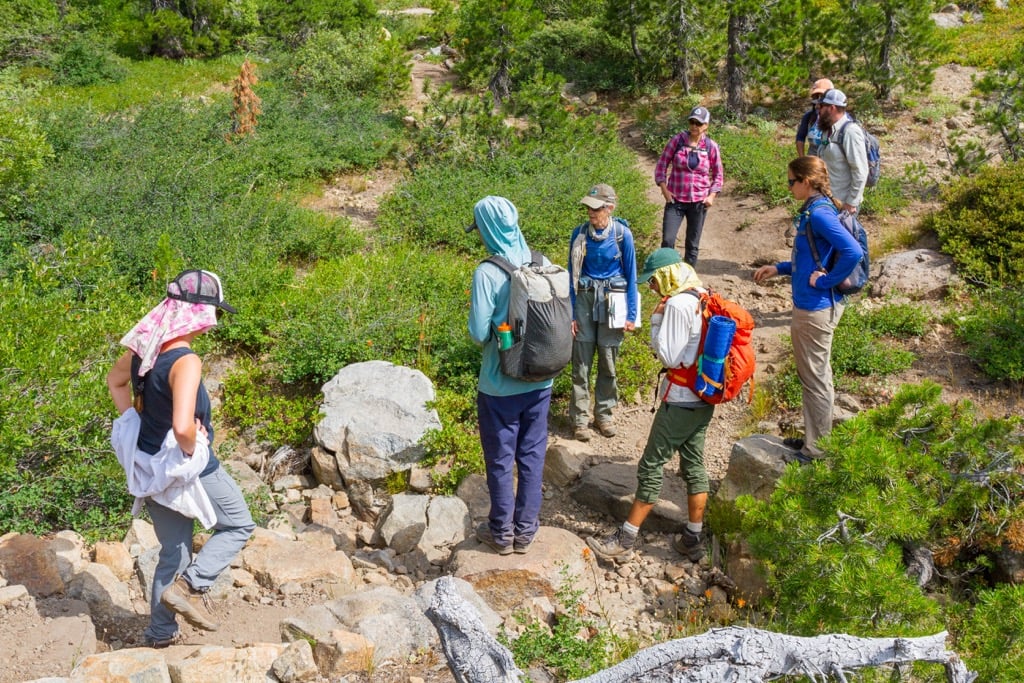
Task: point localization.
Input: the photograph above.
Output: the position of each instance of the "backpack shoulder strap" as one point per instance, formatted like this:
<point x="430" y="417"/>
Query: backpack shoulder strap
<point x="503" y="263"/>
<point x="810" y="230"/>
<point x="536" y="258"/>
<point x="841" y="135"/>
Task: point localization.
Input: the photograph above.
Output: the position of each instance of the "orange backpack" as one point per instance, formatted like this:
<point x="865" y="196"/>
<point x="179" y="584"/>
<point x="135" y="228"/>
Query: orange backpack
<point x="739" y="364"/>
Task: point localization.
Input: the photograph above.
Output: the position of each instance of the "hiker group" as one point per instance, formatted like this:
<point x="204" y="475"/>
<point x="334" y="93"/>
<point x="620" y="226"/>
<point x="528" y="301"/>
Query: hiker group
<point x="532" y="318"/>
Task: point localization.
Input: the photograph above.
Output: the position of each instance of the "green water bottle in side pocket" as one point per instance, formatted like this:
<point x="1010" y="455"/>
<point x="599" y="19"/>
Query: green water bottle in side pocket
<point x="504" y="336"/>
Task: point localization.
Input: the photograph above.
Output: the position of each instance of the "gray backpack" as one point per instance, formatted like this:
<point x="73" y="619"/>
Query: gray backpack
<point x="540" y="315"/>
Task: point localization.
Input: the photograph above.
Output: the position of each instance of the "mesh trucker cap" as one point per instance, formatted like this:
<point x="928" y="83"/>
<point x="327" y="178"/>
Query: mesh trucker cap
<point x="836" y="97"/>
<point x="199" y="287"/>
<point x="700" y="115"/>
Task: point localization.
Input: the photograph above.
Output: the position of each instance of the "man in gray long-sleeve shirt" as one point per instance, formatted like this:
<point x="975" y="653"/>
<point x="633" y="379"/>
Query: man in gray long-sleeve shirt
<point x="842" y="149"/>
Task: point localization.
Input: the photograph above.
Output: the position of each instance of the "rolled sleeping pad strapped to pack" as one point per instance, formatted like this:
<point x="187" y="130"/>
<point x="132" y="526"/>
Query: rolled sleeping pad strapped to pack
<point x="711" y="373"/>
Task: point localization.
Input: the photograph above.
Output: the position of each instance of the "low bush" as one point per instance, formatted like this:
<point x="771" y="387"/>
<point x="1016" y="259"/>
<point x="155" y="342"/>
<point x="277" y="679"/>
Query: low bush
<point x="864" y="345"/>
<point x="84" y="62"/>
<point x="403" y="304"/>
<point x="981" y="225"/>
<point x="224" y="206"/>
<point x="255" y="401"/>
<point x="860" y="346"/>
<point x="989" y="636"/>
<point x="544" y="179"/>
<point x="454" y="451"/>
<point x="575" y="646"/>
<point x="62" y="310"/>
<point x="360" y="63"/>
<point x="582" y="52"/>
<point x="293" y="22"/>
<point x="832" y="535"/>
<point x="991" y="323"/>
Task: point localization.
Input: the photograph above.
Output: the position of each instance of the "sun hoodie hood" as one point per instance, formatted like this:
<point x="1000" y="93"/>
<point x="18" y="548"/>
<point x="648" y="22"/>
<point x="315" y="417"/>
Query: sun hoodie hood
<point x="498" y="222"/>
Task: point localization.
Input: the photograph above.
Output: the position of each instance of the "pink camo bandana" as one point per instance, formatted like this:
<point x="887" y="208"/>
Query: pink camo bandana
<point x="169" y="319"/>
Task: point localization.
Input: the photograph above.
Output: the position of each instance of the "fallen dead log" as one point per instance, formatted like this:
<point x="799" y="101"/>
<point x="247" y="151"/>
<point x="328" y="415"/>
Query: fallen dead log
<point x="750" y="655"/>
<point x="473" y="655"/>
<point x="733" y="654"/>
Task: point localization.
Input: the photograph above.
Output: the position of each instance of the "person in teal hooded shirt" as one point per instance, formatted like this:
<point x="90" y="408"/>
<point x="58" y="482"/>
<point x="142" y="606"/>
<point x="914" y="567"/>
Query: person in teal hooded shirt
<point x="512" y="414"/>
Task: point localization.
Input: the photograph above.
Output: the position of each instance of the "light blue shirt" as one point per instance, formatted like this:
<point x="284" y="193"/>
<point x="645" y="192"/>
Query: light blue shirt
<point x="497" y="221"/>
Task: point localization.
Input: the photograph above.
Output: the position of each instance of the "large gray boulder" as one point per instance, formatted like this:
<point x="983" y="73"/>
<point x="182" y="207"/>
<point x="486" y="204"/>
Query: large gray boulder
<point x="610" y="487"/>
<point x="374" y="414"/>
<point x="919" y="274"/>
<point x="755" y="465"/>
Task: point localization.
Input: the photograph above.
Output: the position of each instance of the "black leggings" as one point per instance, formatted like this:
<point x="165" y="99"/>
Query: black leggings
<point x="673" y="218"/>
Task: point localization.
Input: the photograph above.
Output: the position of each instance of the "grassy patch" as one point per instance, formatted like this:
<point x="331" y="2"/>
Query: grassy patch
<point x="147" y="81"/>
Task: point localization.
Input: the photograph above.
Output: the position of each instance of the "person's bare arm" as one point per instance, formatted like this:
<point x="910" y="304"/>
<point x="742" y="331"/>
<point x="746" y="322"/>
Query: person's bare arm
<point x="119" y="382"/>
<point x="184" y="379"/>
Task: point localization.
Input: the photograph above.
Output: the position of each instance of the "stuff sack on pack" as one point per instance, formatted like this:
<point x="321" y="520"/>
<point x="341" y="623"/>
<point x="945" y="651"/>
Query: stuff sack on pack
<point x="861" y="275"/>
<point x="873" y="148"/>
<point x="725" y="358"/>
<point x="540" y="315"/>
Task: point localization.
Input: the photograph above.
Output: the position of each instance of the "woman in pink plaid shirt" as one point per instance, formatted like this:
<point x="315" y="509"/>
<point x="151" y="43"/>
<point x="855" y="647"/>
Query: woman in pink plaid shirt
<point x="690" y="176"/>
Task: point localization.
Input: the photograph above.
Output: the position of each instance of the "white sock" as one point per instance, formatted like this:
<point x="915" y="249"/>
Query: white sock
<point x="630" y="529"/>
<point x="695" y="527"/>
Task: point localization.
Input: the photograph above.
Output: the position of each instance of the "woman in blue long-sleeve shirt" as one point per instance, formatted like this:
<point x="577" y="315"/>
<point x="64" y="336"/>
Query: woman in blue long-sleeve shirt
<point x="817" y="307"/>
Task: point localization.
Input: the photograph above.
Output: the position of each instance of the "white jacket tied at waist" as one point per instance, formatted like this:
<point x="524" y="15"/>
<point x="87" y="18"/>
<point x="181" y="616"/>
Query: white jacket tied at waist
<point x="168" y="476"/>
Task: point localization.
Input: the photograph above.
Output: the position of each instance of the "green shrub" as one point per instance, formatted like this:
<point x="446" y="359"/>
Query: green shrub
<point x="62" y="310"/>
<point x="981" y="225"/>
<point x="864" y="345"/>
<point x="575" y="646"/>
<point x="294" y="22"/>
<point x="454" y="451"/>
<point x="24" y="152"/>
<point x="357" y="64"/>
<point x="543" y="178"/>
<point x="83" y="62"/>
<point x="224" y="206"/>
<point x="145" y="82"/>
<point x="405" y="305"/>
<point x="832" y="534"/>
<point x="990" y="637"/>
<point x="992" y="326"/>
<point x="859" y="349"/>
<point x="580" y="51"/>
<point x="254" y="400"/>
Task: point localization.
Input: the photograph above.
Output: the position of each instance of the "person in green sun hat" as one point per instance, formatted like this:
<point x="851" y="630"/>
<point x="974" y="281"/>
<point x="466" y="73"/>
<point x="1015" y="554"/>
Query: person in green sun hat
<point x="682" y="418"/>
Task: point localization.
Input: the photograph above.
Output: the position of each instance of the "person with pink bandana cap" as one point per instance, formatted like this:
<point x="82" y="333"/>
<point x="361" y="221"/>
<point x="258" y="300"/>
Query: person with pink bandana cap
<point x="160" y="378"/>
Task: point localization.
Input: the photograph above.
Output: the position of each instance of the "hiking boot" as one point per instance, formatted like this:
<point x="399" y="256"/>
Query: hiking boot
<point x="522" y="547"/>
<point x="794" y="442"/>
<point x="615" y="547"/>
<point x="607" y="428"/>
<point x="583" y="433"/>
<point x="182" y="599"/>
<point x="161" y="643"/>
<point x="484" y="535"/>
<point x="690" y="545"/>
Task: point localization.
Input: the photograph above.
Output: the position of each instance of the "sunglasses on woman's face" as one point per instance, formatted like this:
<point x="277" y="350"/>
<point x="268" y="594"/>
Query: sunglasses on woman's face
<point x="792" y="181"/>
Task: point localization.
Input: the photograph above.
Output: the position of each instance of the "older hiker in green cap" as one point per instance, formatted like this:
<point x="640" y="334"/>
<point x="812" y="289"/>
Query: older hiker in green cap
<point x="682" y="418"/>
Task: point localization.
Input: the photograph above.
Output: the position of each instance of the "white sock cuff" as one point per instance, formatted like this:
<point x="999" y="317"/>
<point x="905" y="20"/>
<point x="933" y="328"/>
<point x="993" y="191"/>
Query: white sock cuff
<point x="695" y="527"/>
<point x="630" y="529"/>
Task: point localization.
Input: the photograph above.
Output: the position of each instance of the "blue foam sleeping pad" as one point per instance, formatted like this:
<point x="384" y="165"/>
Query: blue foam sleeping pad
<point x="711" y="371"/>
